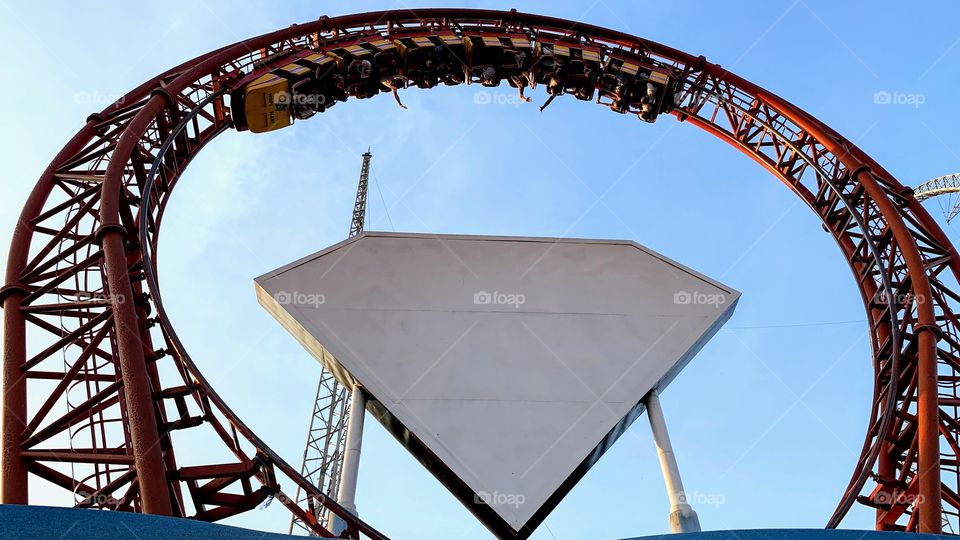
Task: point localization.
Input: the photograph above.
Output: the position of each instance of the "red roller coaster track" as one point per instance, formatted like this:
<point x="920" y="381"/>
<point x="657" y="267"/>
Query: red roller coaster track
<point x="86" y="332"/>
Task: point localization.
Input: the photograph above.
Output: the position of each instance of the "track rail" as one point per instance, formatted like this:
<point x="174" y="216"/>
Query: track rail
<point x="81" y="285"/>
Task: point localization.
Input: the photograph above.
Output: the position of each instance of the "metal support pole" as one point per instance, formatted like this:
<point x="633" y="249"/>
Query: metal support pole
<point x="13" y="485"/>
<point x="347" y="493"/>
<point x="138" y="395"/>
<point x="683" y="518"/>
<point x="928" y="461"/>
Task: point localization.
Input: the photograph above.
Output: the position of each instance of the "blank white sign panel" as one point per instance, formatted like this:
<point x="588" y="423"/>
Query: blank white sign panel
<point x="507" y="365"/>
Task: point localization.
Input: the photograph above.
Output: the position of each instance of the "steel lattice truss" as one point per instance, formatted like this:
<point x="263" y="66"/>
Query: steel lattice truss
<point x="323" y="455"/>
<point x="948" y="184"/>
<point x="360" y="204"/>
<point x="86" y="331"/>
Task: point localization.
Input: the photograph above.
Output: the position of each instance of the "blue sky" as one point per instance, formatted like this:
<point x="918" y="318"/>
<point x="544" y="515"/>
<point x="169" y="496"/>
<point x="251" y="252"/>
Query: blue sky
<point x="767" y="420"/>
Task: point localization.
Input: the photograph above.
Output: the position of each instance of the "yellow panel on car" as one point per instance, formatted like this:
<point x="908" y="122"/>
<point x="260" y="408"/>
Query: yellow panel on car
<point x="520" y="43"/>
<point x="315" y="60"/>
<point x="591" y="55"/>
<point x="296" y="69"/>
<point x="492" y="41"/>
<point x="266" y="104"/>
<point x="450" y="39"/>
<point x="658" y="77"/>
<point x="630" y="68"/>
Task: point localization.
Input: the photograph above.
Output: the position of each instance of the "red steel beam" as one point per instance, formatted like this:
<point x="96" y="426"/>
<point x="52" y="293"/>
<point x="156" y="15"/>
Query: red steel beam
<point x="13" y="482"/>
<point x="138" y="396"/>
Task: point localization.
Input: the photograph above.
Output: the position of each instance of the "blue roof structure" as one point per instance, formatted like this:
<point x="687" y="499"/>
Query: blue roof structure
<point x="792" y="534"/>
<point x="45" y="522"/>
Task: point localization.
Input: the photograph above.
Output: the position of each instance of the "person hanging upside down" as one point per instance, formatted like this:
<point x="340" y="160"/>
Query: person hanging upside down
<point x="394" y="84"/>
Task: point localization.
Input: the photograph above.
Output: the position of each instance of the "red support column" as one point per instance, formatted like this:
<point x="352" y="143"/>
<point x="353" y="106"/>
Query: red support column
<point x="169" y="457"/>
<point x="13" y="483"/>
<point x="142" y="420"/>
<point x="928" y="432"/>
<point x="886" y="464"/>
<point x="929" y="501"/>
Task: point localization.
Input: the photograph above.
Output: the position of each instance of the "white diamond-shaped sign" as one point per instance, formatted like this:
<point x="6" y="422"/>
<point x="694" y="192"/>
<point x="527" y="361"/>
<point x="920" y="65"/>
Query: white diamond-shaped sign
<point x="506" y="365"/>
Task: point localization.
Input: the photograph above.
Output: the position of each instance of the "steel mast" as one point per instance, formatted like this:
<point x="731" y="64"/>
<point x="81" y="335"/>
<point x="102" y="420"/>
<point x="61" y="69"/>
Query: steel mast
<point x="360" y="205"/>
<point x="326" y="438"/>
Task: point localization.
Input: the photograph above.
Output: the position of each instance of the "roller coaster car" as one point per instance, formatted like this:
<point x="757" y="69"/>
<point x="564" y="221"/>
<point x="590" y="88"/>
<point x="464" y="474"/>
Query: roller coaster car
<point x="635" y="85"/>
<point x="429" y="59"/>
<point x="371" y="65"/>
<point x="260" y="105"/>
<point x="567" y="67"/>
<point x="491" y="58"/>
<point x="284" y="89"/>
<point x="327" y="77"/>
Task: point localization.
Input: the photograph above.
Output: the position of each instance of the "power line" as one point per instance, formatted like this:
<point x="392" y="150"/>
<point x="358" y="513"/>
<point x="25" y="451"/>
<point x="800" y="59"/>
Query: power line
<point x="376" y="181"/>
<point x="797" y="325"/>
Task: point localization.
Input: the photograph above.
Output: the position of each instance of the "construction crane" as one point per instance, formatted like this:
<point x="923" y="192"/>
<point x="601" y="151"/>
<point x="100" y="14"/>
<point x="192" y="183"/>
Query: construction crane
<point x="326" y="438"/>
<point x="946" y="187"/>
